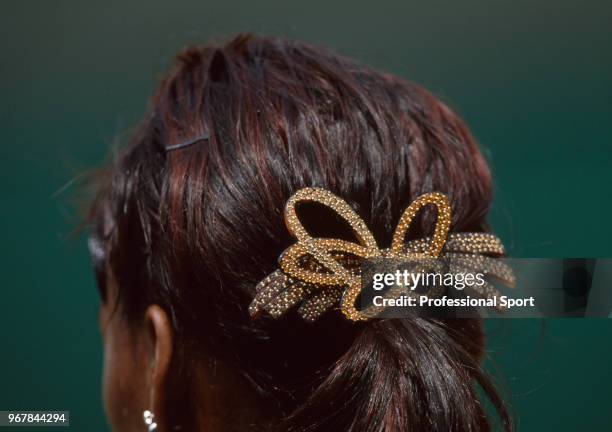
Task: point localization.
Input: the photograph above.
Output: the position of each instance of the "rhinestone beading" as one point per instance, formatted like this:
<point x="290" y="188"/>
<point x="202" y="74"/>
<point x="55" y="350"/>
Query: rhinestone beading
<point x="320" y="272"/>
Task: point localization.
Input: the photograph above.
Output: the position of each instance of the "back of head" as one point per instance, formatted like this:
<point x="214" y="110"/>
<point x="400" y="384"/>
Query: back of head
<point x="193" y="230"/>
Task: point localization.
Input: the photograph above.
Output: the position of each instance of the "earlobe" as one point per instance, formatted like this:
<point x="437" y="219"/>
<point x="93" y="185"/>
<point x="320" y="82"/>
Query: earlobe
<point x="161" y="340"/>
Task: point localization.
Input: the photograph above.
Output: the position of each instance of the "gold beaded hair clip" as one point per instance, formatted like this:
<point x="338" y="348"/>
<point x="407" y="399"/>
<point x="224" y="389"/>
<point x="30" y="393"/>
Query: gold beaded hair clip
<point x="318" y="273"/>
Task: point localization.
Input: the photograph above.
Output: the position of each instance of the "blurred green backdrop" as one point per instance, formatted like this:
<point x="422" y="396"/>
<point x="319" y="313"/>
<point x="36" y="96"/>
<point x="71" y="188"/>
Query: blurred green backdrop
<point x="532" y="78"/>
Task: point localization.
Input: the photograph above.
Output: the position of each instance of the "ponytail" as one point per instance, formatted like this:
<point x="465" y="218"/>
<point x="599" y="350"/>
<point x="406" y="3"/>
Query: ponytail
<point x="404" y="375"/>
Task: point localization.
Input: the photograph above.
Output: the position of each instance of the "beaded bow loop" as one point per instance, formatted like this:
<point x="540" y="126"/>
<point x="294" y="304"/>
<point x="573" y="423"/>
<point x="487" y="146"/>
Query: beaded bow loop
<point x="293" y="260"/>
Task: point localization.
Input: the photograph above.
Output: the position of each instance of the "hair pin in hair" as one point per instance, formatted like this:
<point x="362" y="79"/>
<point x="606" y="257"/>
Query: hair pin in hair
<point x="317" y="273"/>
<point x="204" y="137"/>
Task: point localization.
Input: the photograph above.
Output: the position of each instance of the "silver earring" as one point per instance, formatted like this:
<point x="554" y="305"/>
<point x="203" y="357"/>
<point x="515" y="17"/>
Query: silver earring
<point x="148" y="419"/>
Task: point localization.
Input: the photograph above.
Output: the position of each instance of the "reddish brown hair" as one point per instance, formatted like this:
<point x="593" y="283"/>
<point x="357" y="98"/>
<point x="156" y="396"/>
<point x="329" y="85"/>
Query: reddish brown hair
<point x="195" y="229"/>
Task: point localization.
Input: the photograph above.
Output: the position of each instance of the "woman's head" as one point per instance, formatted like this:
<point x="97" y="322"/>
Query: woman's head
<point x="182" y="237"/>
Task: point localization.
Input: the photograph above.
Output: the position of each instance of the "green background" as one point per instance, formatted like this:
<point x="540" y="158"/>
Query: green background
<point x="533" y="79"/>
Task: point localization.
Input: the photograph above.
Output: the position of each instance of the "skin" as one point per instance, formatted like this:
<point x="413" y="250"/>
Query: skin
<point x="137" y="360"/>
<point x="137" y="376"/>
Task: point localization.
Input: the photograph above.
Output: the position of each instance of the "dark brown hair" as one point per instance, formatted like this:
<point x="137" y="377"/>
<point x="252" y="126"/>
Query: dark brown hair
<point x="195" y="229"/>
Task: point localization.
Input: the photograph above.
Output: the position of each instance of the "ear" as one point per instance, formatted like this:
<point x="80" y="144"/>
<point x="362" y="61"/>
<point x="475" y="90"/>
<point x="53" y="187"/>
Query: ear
<point x="161" y="340"/>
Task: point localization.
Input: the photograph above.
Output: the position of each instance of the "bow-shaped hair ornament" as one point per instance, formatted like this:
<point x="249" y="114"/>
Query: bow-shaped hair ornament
<point x="319" y="272"/>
